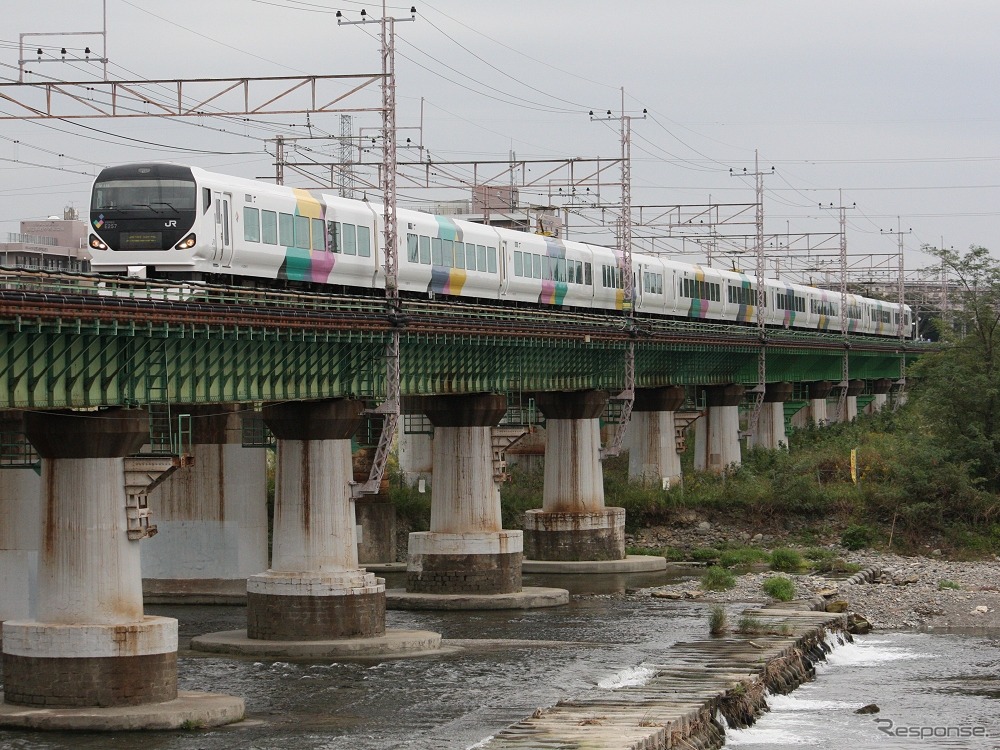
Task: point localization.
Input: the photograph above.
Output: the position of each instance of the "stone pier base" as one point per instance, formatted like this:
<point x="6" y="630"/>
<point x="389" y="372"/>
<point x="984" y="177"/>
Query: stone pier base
<point x="464" y="563"/>
<point x="595" y="535"/>
<point x="71" y="666"/>
<point x="314" y="606"/>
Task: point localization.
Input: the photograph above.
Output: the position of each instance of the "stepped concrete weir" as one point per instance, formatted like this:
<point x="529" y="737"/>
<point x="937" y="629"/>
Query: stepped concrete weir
<point x="771" y="423"/>
<point x="696" y="682"/>
<point x="717" y="434"/>
<point x="90" y="651"/>
<point x="573" y="525"/>
<point x="467" y="560"/>
<point x="315" y="600"/>
<point x="211" y="516"/>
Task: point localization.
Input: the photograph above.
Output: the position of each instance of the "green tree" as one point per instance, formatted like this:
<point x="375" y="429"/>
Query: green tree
<point x="958" y="386"/>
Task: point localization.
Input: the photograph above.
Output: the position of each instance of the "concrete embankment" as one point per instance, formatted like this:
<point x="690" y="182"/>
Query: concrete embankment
<point x="679" y="705"/>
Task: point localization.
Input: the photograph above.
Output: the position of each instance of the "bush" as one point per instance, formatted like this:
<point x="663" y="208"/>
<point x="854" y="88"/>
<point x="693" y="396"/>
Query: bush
<point x="786" y="560"/>
<point x="780" y="588"/>
<point x="858" y="536"/>
<point x="718" y="579"/>
<point x="718" y="621"/>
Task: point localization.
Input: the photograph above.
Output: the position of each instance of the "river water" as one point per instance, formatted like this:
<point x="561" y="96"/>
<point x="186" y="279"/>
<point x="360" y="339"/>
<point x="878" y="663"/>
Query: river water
<point x="528" y="659"/>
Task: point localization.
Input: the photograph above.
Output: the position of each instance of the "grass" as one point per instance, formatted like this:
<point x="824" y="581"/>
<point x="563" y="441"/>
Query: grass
<point x="742" y="557"/>
<point x="780" y="588"/>
<point x="787" y="560"/>
<point x="753" y="625"/>
<point x="717" y="579"/>
<point x="718" y="622"/>
<point x="944" y="583"/>
<point x="705" y="554"/>
<point x="749" y="625"/>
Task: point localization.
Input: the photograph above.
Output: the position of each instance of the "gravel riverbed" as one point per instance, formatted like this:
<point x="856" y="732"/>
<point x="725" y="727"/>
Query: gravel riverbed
<point x="907" y="595"/>
<point x="920" y="592"/>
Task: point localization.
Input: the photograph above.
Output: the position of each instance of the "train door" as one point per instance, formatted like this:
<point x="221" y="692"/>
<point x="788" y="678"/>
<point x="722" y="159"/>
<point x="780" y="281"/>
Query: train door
<point x="504" y="268"/>
<point x="223" y="229"/>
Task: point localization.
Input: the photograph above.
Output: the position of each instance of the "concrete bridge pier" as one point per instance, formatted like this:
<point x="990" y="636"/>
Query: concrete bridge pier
<point x="416" y="457"/>
<point x="467" y="560"/>
<point x="89" y="644"/>
<point x="574" y="531"/>
<point x="717" y="435"/>
<point x="211" y="516"/>
<point x="315" y="600"/>
<point x="573" y="523"/>
<point x="771" y="425"/>
<point x="818" y="391"/>
<point x="854" y="389"/>
<point x="20" y="511"/>
<point x="880" y="389"/>
<point x="653" y="456"/>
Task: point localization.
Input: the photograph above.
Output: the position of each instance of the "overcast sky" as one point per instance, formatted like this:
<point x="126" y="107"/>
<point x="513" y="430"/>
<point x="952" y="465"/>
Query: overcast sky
<point x="895" y="102"/>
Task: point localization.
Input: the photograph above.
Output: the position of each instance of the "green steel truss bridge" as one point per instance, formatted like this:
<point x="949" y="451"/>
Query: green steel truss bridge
<point x="85" y="341"/>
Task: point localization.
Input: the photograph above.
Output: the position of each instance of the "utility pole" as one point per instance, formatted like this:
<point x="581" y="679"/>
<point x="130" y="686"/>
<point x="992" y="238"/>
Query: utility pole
<point x="624" y="237"/>
<point x="345" y="176"/>
<point x="900" y="292"/>
<point x="845" y="367"/>
<point x="761" y="386"/>
<point x="389" y="409"/>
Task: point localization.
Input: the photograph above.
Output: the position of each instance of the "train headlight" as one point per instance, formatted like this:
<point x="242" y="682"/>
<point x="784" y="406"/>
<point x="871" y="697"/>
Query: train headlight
<point x="95" y="242"/>
<point x="187" y="243"/>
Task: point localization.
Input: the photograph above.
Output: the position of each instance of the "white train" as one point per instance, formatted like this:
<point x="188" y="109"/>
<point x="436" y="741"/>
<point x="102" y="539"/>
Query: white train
<point x="170" y="221"/>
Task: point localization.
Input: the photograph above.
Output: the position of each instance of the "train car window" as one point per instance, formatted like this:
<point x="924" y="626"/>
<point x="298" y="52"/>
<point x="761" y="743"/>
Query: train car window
<point x="481" y="257"/>
<point x="448" y="253"/>
<point x="561" y="267"/>
<point x="206" y="199"/>
<point x="518" y="264"/>
<point x="350" y="238"/>
<point x="547" y="264"/>
<point x="459" y="255"/>
<point x="251" y="224"/>
<point x="588" y="274"/>
<point x="333" y="236"/>
<point x="302" y="232"/>
<point x="436" y="251"/>
<point x="412" y="252"/>
<point x="364" y="241"/>
<point x="318" y="235"/>
<point x="470" y="257"/>
<point x="425" y="250"/>
<point x="536" y="266"/>
<point x="269" y="227"/>
<point x="286" y="230"/>
<point x="492" y="259"/>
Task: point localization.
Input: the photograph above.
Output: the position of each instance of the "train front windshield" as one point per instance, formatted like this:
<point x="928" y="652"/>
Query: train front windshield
<point x="152" y="196"/>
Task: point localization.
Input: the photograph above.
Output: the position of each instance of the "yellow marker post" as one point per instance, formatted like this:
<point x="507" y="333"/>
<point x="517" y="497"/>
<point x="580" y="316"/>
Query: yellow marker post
<point x="854" y="465"/>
